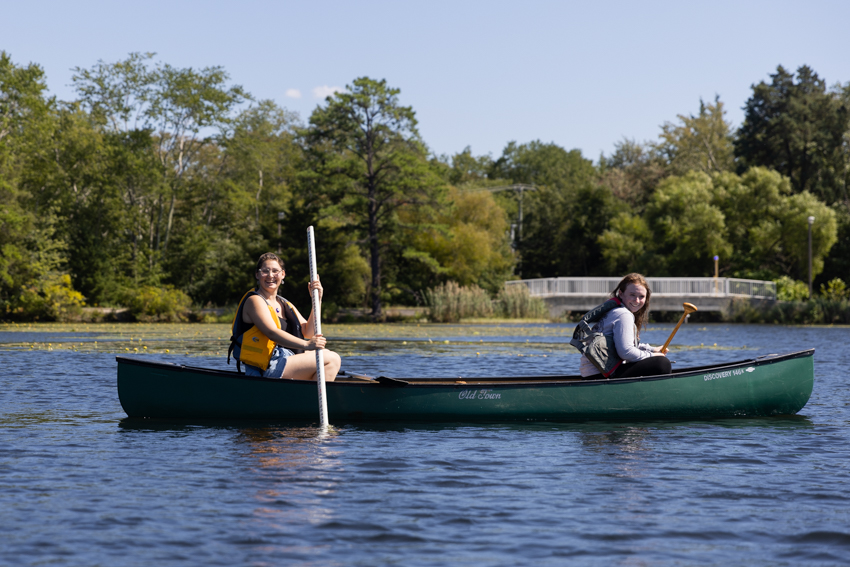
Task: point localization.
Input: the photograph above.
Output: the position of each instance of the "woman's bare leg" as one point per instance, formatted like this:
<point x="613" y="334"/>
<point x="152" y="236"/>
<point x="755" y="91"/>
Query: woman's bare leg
<point x="303" y="366"/>
<point x="332" y="364"/>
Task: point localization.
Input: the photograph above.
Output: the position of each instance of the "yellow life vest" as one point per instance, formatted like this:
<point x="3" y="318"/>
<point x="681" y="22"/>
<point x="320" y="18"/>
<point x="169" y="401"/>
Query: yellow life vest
<point x="250" y="345"/>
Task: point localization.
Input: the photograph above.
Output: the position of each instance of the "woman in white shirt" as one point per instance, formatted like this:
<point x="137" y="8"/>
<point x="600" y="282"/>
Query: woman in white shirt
<point x="624" y="323"/>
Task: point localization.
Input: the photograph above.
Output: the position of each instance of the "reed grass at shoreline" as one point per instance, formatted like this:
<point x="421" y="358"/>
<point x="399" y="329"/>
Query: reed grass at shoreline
<point x="452" y="304"/>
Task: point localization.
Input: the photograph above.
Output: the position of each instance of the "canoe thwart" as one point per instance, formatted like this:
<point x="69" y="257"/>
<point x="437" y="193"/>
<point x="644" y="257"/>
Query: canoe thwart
<point x="391" y="382"/>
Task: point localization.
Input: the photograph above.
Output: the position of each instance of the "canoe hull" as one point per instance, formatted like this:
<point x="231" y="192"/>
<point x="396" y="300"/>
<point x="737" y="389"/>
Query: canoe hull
<point x="767" y="386"/>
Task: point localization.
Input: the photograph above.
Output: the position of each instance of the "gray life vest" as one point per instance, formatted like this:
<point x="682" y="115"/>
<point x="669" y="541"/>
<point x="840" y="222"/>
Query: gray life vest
<point x="599" y="349"/>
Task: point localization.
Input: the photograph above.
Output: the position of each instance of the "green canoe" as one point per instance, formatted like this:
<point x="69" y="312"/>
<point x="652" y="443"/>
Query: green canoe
<point x="768" y="385"/>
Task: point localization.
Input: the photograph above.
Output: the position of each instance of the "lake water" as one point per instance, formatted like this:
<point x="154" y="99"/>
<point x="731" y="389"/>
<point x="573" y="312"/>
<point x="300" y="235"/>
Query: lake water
<point x="82" y="485"/>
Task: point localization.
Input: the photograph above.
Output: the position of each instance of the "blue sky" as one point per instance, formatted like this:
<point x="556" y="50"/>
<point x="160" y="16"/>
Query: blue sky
<point x="580" y="74"/>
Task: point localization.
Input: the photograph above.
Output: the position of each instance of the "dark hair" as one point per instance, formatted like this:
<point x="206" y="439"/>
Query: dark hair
<point x="642" y="316"/>
<point x="269" y="256"/>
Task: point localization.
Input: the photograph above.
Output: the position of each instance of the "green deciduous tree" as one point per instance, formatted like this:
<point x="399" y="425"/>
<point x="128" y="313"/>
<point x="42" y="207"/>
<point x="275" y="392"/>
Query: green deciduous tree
<point x="752" y="222"/>
<point x="183" y="109"/>
<point x="633" y="172"/>
<point x="466" y="243"/>
<point x="837" y="264"/>
<point x="699" y="143"/>
<point x="137" y="164"/>
<point x="767" y="225"/>
<point x="185" y="104"/>
<point x="627" y="245"/>
<point x="231" y="204"/>
<point x="31" y="255"/>
<point x="688" y="227"/>
<point x="466" y="168"/>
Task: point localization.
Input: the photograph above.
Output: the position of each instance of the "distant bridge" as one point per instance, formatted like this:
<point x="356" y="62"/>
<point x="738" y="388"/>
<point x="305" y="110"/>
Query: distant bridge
<point x="668" y="294"/>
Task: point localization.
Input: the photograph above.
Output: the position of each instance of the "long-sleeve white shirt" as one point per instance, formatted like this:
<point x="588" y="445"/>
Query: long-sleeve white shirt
<point x="619" y="323"/>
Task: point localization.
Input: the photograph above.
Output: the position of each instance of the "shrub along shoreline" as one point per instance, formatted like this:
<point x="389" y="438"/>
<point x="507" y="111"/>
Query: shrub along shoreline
<point x="450" y="302"/>
<point x="453" y="303"/>
<point x="815" y="311"/>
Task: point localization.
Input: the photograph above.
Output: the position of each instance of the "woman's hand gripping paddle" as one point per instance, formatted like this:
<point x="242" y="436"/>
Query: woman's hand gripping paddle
<point x="688" y="310"/>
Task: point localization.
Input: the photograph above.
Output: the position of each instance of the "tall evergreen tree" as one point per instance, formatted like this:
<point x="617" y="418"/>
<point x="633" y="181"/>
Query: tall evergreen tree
<point x="371" y="163"/>
<point x="798" y="128"/>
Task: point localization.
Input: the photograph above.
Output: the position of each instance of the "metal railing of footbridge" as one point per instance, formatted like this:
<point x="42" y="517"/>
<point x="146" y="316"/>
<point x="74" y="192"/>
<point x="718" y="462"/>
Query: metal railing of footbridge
<point x="678" y="287"/>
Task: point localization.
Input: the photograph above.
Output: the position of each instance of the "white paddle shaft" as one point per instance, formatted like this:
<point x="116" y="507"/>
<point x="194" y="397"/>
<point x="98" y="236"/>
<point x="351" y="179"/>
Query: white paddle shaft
<point x="317" y="328"/>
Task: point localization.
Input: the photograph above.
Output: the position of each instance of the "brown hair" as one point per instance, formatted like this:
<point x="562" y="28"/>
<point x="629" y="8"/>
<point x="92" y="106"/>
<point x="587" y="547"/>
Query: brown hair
<point x="269" y="256"/>
<point x="264" y="258"/>
<point x="642" y="316"/>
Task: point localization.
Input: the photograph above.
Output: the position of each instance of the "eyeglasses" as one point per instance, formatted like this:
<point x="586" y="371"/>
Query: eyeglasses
<point x="268" y="272"/>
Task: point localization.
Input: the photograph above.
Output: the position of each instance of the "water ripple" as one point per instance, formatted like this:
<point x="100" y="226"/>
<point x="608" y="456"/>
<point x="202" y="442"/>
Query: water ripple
<point x="80" y="484"/>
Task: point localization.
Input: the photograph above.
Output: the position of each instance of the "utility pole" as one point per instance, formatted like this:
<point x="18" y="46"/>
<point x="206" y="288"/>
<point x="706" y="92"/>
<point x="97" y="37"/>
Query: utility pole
<point x="811" y="222"/>
<point x="280" y="217"/>
<point x="519" y="188"/>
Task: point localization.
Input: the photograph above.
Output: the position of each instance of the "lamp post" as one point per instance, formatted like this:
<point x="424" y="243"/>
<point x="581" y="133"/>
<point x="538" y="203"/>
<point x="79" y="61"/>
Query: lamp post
<point x="280" y="217"/>
<point x="716" y="272"/>
<point x="811" y="222"/>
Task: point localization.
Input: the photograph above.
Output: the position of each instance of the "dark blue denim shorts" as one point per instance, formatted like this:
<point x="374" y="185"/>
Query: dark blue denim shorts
<point x="276" y="364"/>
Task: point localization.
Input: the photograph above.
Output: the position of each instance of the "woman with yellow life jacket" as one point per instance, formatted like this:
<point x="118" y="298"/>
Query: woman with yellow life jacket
<point x="270" y="335"/>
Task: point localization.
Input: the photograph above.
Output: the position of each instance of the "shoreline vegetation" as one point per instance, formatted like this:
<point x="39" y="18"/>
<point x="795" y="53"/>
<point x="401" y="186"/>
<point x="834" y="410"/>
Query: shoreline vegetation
<point x="453" y="303"/>
<point x="148" y="197"/>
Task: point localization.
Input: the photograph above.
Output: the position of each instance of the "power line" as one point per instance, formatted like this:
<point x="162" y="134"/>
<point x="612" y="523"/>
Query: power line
<point x="516" y="237"/>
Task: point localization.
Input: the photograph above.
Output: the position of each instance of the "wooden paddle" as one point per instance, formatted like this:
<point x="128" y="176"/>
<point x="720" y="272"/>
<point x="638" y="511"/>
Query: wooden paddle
<point x="689" y="308"/>
<point x="317" y="328"/>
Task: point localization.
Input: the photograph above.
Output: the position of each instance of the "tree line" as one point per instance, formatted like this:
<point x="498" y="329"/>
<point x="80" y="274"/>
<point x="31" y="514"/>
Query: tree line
<point x="159" y="186"/>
